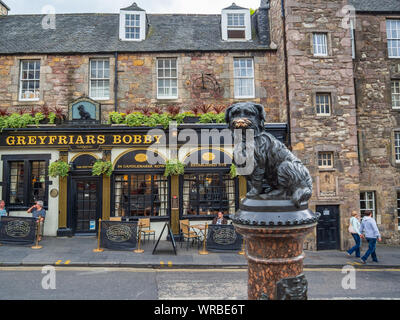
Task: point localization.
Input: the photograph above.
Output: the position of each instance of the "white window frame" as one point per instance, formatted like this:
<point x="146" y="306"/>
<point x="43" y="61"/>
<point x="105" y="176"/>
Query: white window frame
<point x="395" y="94"/>
<point x="319" y="106"/>
<point x="397" y="146"/>
<point x="132" y="18"/>
<point x="122" y="25"/>
<point x="393" y="36"/>
<point x="99" y="79"/>
<point x="246" y="77"/>
<point x="35" y="79"/>
<point x="170" y="96"/>
<point x="370" y="198"/>
<point x="353" y="39"/>
<point x="320" y="44"/>
<point x="324" y="157"/>
<point x="224" y="24"/>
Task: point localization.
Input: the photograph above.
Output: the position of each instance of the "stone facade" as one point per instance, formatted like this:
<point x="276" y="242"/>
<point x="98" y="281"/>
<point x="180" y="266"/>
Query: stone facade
<point x="337" y="132"/>
<point x="66" y="78"/>
<point x="377" y="120"/>
<point x="3" y="10"/>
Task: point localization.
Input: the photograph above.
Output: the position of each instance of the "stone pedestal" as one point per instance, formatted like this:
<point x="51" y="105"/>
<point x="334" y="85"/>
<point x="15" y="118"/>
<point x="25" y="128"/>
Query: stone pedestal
<point x="274" y="231"/>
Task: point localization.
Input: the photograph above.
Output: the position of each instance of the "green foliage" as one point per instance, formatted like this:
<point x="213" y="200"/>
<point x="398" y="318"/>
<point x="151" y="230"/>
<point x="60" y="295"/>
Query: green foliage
<point x="252" y="11"/>
<point x="233" y="173"/>
<point x="102" y="167"/>
<point x="39" y="117"/>
<point x="59" y="169"/>
<point x="174" y="168"/>
<point x="117" y="118"/>
<point x="212" y="118"/>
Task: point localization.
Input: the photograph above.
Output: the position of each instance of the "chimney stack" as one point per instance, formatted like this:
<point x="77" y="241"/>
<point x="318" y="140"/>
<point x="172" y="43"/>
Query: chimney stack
<point x="262" y="21"/>
<point x="3" y="9"/>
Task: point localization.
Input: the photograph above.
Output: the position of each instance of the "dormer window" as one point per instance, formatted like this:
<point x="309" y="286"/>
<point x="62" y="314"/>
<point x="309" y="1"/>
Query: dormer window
<point x="132" y="24"/>
<point x="236" y="24"/>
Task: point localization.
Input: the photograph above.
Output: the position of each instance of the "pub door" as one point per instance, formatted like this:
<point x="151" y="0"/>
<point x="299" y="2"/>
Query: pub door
<point x="328" y="228"/>
<point x="85" y="204"/>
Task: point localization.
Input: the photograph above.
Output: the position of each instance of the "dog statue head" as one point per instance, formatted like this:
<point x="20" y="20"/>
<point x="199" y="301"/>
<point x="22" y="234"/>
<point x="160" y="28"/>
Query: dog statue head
<point x="246" y="115"/>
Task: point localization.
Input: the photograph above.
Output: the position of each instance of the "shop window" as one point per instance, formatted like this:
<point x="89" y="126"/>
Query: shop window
<point x="141" y="195"/>
<point x="207" y="194"/>
<point x="367" y="202"/>
<point x="26" y="182"/>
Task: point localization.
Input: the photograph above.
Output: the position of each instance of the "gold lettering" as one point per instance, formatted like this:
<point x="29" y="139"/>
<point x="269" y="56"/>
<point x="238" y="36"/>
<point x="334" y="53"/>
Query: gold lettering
<point x="10" y="141"/>
<point x="21" y="141"/>
<point x="101" y="139"/>
<point x="157" y="138"/>
<point x="138" y="139"/>
<point x="117" y="140"/>
<point x="147" y="139"/>
<point x="71" y="140"/>
<point x="62" y="140"/>
<point x="127" y="139"/>
<point x="79" y="140"/>
<point x="90" y="140"/>
<point x="31" y="140"/>
<point x="42" y="139"/>
<point x="52" y="139"/>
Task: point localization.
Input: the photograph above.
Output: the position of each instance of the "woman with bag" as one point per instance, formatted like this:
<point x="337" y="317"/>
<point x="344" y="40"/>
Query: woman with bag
<point x="354" y="229"/>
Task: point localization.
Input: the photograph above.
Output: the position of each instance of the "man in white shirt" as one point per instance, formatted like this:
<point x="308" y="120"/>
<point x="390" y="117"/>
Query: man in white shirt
<point x="372" y="234"/>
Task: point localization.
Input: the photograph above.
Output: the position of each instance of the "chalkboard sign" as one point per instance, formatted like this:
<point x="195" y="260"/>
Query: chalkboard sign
<point x="17" y="230"/>
<point x="117" y="235"/>
<point x="171" y="238"/>
<point x="223" y="238"/>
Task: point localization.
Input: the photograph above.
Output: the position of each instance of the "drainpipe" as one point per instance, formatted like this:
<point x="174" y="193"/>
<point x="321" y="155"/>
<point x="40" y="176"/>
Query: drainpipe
<point x="116" y="83"/>
<point x="286" y="75"/>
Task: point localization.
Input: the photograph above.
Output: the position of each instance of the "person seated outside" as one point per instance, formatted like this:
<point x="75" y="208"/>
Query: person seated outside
<point x="38" y="213"/>
<point x="3" y="210"/>
<point x="220" y="219"/>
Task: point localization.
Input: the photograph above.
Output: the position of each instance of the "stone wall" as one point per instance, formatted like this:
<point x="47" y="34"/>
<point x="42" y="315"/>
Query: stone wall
<point x="3" y="10"/>
<point x="336" y="133"/>
<point x="377" y="121"/>
<point x="66" y="78"/>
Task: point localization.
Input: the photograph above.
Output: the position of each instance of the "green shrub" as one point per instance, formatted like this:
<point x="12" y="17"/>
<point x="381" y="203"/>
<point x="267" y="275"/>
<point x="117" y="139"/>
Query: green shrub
<point x="59" y="169"/>
<point x="174" y="168"/>
<point x="102" y="167"/>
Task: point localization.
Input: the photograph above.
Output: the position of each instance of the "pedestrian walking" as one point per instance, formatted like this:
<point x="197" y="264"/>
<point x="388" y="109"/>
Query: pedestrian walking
<point x="354" y="229"/>
<point x="369" y="227"/>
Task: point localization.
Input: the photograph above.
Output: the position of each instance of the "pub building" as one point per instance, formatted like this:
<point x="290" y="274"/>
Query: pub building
<point x="94" y="64"/>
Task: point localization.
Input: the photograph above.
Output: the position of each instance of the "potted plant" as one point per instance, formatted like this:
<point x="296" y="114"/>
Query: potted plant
<point x="59" y="169"/>
<point x="174" y="168"/>
<point x="60" y="115"/>
<point x="101" y="167"/>
<point x="193" y="116"/>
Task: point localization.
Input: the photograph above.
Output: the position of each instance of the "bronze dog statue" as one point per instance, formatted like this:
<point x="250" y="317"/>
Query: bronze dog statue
<point x="277" y="173"/>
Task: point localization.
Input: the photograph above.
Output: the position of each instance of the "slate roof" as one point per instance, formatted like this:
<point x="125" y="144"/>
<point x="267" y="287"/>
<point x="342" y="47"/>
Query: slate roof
<point x="133" y="7"/>
<point x="376" y="5"/>
<point x="99" y="33"/>
<point x="234" y="6"/>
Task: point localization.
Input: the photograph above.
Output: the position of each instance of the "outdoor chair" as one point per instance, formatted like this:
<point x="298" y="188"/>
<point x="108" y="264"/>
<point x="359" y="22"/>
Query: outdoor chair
<point x="188" y="234"/>
<point x="146" y="229"/>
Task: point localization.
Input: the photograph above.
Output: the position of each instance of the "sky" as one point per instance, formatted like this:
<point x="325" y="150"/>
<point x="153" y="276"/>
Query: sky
<point x="113" y="6"/>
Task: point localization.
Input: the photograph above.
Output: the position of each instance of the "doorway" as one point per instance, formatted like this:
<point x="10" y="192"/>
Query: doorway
<point x="85" y="204"/>
<point x="328" y="228"/>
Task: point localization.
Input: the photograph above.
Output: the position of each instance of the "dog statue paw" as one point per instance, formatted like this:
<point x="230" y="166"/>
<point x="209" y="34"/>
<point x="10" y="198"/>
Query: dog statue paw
<point x="269" y="159"/>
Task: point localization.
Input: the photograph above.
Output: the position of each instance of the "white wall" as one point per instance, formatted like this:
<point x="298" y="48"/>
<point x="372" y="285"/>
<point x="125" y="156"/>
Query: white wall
<point x="51" y="224"/>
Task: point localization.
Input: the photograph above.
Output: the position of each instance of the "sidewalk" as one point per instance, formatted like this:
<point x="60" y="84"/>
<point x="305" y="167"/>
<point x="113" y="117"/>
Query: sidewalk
<point x="78" y="252"/>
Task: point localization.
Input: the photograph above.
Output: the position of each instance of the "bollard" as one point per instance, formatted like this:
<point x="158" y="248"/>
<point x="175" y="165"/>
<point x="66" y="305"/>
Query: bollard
<point x="37" y="247"/>
<point x="138" y="250"/>
<point x="243" y="252"/>
<point x="98" y="239"/>
<point x="204" y="251"/>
